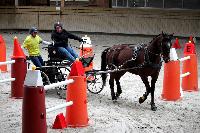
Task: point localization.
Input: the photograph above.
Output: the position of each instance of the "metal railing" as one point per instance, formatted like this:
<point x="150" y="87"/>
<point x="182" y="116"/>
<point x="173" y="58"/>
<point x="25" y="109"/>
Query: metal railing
<point x="186" y="4"/>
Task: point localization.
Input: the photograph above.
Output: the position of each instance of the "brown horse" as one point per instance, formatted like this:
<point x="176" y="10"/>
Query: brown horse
<point x="143" y="60"/>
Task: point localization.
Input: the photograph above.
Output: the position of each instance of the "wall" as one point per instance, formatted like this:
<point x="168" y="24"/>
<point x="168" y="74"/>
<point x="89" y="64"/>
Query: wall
<point x="127" y="21"/>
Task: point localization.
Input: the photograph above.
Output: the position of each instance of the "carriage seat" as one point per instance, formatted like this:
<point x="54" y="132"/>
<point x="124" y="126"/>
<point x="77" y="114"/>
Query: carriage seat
<point x="86" y="61"/>
<point x="54" y="54"/>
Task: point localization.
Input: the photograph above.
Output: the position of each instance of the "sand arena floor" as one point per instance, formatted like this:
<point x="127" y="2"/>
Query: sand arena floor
<point x="124" y="116"/>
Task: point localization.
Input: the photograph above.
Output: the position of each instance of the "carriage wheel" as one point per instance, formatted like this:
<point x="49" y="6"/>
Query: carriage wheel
<point x="94" y="83"/>
<point x="61" y="91"/>
<point x="45" y="78"/>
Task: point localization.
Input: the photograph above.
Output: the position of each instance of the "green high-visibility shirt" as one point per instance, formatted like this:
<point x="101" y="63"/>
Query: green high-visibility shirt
<point x="32" y="44"/>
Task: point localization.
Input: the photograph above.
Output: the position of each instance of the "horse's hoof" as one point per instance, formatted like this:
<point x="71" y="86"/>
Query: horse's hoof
<point x="114" y="98"/>
<point x="117" y="95"/>
<point x="141" y="99"/>
<point x="153" y="107"/>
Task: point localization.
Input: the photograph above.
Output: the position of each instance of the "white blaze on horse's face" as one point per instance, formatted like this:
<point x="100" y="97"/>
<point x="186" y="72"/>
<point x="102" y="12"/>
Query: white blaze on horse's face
<point x="167" y="56"/>
<point x="169" y="44"/>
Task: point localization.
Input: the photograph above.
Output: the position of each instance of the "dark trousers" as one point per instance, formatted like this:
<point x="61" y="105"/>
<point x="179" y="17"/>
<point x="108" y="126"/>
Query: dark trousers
<point x="37" y="60"/>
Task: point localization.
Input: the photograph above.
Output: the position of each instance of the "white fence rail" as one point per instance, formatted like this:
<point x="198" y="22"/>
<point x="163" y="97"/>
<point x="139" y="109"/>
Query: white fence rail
<point x="66" y="82"/>
<point x="59" y="106"/>
<point x="7" y="80"/>
<point x="7" y="62"/>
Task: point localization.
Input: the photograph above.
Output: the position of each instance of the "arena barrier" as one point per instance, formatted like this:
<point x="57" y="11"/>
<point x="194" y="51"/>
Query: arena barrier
<point x="34" y="111"/>
<point x="190" y="83"/>
<point x="34" y="99"/>
<point x="47" y="87"/>
<point x="18" y="70"/>
<point x="171" y="83"/>
<point x="9" y="79"/>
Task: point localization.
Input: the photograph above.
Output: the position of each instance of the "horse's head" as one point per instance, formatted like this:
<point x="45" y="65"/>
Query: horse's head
<point x="165" y="45"/>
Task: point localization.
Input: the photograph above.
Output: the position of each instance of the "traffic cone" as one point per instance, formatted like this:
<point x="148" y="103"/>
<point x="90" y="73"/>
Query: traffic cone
<point x="33" y="107"/>
<point x="18" y="70"/>
<point x="190" y="82"/>
<point x="77" y="115"/>
<point x="3" y="68"/>
<point x="59" y="122"/>
<point x="86" y="50"/>
<point x="171" y="81"/>
<point x="17" y="51"/>
<point x="189" y="48"/>
<point x="173" y="54"/>
<point x="191" y="39"/>
<point x="176" y="44"/>
<point x="77" y="69"/>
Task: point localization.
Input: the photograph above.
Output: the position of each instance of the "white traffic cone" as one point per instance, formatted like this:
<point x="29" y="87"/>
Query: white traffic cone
<point x="173" y="55"/>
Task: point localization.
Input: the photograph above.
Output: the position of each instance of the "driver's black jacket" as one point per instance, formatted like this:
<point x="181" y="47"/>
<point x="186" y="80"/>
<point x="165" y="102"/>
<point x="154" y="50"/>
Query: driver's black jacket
<point x="61" y="39"/>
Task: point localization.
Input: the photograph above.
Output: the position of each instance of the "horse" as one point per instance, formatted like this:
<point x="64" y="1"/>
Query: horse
<point x="144" y="60"/>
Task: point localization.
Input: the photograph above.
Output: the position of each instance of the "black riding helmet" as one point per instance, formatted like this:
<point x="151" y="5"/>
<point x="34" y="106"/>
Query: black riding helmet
<point x="33" y="29"/>
<point x="58" y="24"/>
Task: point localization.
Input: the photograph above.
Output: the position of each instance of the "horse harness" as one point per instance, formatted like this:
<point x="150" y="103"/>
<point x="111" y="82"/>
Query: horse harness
<point x="136" y="50"/>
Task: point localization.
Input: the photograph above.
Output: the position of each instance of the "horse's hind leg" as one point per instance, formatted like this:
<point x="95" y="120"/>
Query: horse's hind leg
<point x="111" y="83"/>
<point x="119" y="90"/>
<point x="146" y="83"/>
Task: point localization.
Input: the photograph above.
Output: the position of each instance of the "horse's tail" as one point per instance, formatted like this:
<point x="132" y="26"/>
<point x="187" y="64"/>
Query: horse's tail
<point x="104" y="65"/>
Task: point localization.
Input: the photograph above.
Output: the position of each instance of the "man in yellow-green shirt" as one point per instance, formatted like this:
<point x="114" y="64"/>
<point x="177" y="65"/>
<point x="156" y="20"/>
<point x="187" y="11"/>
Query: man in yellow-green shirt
<point x="32" y="44"/>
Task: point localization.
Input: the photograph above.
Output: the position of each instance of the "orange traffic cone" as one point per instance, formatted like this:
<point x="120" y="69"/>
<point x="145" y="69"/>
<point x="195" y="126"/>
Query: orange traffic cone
<point x="171" y="81"/>
<point x="3" y="68"/>
<point x="59" y="122"/>
<point x="18" y="71"/>
<point x="77" y="115"/>
<point x="77" y="69"/>
<point x="17" y="51"/>
<point x="190" y="83"/>
<point x="191" y="39"/>
<point x="189" y="48"/>
<point x="176" y="44"/>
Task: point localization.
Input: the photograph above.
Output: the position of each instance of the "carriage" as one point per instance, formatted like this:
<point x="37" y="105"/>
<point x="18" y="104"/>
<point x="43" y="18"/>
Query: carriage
<point x="56" y="69"/>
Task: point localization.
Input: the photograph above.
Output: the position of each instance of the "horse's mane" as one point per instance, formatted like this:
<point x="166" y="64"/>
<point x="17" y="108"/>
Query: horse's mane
<point x="154" y="38"/>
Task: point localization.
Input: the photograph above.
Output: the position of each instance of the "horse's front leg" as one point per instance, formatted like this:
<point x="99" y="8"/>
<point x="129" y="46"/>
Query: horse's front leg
<point x="111" y="83"/>
<point x="146" y="83"/>
<point x="119" y="90"/>
<point x="153" y="82"/>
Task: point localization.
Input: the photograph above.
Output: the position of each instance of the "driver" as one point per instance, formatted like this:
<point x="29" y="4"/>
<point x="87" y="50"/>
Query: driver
<point x="60" y="37"/>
